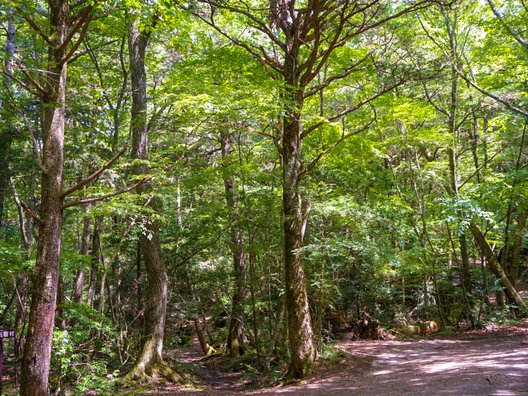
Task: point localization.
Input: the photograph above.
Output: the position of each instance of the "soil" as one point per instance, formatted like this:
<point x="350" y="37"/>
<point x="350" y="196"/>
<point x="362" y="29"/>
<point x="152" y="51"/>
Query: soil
<point x="484" y="362"/>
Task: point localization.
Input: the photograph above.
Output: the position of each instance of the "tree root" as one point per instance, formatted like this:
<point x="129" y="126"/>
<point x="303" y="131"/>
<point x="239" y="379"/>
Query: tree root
<point x="153" y="373"/>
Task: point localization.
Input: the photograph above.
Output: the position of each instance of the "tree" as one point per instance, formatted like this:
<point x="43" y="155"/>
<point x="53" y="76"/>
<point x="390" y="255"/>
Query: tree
<point x="64" y="25"/>
<point x="456" y="113"/>
<point x="235" y="338"/>
<point x="150" y="362"/>
<point x="7" y="133"/>
<point x="300" y="40"/>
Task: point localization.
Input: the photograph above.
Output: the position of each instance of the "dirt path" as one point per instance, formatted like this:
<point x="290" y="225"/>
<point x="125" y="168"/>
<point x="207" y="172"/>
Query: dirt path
<point x="477" y="363"/>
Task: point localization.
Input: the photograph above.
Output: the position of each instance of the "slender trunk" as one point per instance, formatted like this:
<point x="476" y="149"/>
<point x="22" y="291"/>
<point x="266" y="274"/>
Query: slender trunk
<point x="102" y="286"/>
<point x="475" y="138"/>
<point x="254" y="315"/>
<point x="235" y="339"/>
<point x="60" y="321"/>
<point x="26" y="232"/>
<point x="7" y="133"/>
<point x="96" y="261"/>
<point x="522" y="216"/>
<point x="496" y="266"/>
<point x="518" y="237"/>
<point x="202" y="338"/>
<point x="151" y="357"/>
<point x="22" y="289"/>
<point x="83" y="251"/>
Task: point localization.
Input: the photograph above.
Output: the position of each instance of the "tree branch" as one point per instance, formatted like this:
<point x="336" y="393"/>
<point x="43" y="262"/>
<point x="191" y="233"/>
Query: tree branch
<point x="31" y="213"/>
<point x="36" y="28"/>
<point x="151" y="124"/>
<point x="30" y="78"/>
<point x="345" y="73"/>
<point x="493" y="96"/>
<point x="500" y="16"/>
<point x="481" y="167"/>
<point x="343" y="137"/>
<point x="358" y="105"/>
<point x="103" y="197"/>
<point x="86" y="50"/>
<point x="85" y="23"/>
<point x="23" y="84"/>
<point x="263" y="58"/>
<point x="36" y="150"/>
<point x="94" y="175"/>
<point x="21" y="220"/>
<point x="259" y="24"/>
<point x="83" y="15"/>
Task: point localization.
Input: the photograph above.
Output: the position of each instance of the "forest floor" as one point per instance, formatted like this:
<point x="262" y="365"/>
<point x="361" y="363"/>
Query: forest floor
<point x="481" y="362"/>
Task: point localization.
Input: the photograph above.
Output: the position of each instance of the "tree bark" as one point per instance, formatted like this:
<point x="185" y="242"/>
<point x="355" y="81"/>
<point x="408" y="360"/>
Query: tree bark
<point x="79" y="277"/>
<point x="235" y="339"/>
<point x="452" y="112"/>
<point x="496" y="267"/>
<point x="37" y="353"/>
<point x="202" y="338"/>
<point x="300" y="333"/>
<point x="150" y="362"/>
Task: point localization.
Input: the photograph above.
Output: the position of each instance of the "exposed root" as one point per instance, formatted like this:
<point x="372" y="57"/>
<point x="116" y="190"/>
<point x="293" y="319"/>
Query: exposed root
<point x="159" y="371"/>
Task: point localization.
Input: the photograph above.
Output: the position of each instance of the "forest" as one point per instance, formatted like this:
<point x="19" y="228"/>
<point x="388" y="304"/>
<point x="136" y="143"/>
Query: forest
<point x="261" y="178"/>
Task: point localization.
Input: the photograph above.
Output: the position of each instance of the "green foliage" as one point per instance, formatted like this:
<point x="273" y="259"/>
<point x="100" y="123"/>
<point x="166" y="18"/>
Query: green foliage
<point x="333" y="355"/>
<point x="384" y="225"/>
<point x="13" y="260"/>
<point x="84" y="354"/>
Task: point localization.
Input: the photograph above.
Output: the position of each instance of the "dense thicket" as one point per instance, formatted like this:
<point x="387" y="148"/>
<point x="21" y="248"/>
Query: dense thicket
<point x="265" y="175"/>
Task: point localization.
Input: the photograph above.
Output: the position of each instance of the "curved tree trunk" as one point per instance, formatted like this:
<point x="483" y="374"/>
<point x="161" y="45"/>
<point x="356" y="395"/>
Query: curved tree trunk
<point x="235" y="338"/>
<point x="150" y="362"/>
<point x="496" y="267"/>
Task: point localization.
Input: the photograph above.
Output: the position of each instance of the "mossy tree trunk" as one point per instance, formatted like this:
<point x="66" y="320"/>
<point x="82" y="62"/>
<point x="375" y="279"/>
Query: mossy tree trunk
<point x="37" y="352"/>
<point x="150" y="361"/>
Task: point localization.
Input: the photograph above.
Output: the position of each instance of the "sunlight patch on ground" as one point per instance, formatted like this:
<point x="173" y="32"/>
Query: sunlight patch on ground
<point x="382" y="372"/>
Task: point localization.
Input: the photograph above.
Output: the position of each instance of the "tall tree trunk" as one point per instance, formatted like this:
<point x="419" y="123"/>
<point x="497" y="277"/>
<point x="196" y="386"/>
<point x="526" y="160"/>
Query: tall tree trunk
<point x="7" y="133"/>
<point x="52" y="92"/>
<point x="465" y="274"/>
<point x="37" y="353"/>
<point x="300" y="333"/>
<point x="150" y="362"/>
<point x="235" y="339"/>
